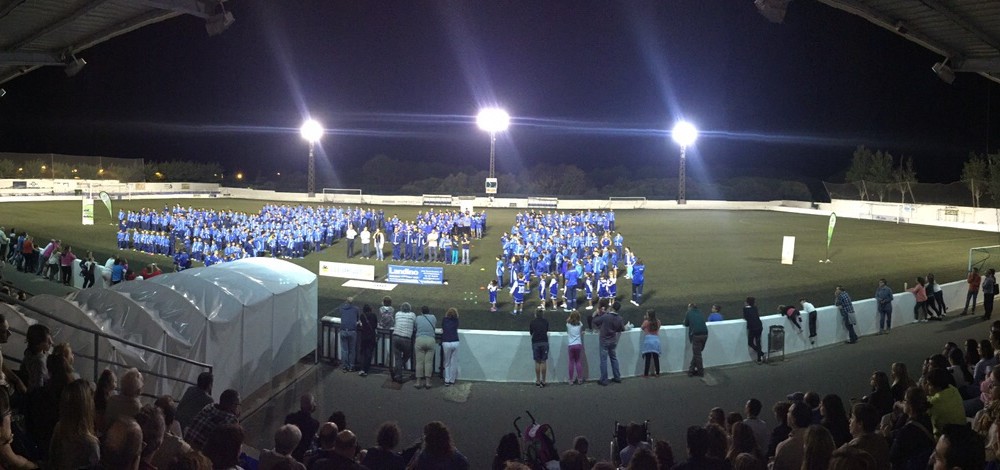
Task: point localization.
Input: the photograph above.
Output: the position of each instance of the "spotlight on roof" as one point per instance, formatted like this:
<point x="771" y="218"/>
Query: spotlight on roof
<point x="944" y="72"/>
<point x="74" y="66"/>
<point x="219" y="22"/>
<point x="773" y="10"/>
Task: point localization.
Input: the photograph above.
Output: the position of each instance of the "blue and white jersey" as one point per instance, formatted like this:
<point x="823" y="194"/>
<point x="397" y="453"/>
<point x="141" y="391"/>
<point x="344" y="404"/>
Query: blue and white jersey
<point x="493" y="293"/>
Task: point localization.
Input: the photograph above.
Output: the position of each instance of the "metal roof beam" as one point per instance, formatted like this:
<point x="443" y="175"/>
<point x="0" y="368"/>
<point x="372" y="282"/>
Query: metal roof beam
<point x="990" y="65"/>
<point x="5" y="9"/>
<point x="962" y="23"/>
<point x="17" y="72"/>
<point x="200" y="8"/>
<point x="855" y="7"/>
<point x="123" y="27"/>
<point x="29" y="58"/>
<point x="58" y="24"/>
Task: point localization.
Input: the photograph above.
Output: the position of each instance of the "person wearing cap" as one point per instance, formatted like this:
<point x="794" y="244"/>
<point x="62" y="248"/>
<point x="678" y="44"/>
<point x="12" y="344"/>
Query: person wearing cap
<point x="843" y="302"/>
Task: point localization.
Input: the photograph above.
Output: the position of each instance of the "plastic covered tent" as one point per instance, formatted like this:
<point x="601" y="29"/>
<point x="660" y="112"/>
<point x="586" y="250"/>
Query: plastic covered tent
<point x="250" y="319"/>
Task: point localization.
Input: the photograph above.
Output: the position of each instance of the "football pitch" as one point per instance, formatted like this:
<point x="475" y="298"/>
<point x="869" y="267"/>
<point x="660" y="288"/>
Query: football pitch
<point x="701" y="256"/>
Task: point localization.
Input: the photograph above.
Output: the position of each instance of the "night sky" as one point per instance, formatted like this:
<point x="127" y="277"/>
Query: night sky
<point x="594" y="83"/>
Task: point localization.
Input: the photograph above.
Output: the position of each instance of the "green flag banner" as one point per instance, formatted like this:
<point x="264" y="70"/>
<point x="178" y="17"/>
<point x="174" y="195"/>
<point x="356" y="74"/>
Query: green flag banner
<point x="829" y="231"/>
<point x="106" y="199"/>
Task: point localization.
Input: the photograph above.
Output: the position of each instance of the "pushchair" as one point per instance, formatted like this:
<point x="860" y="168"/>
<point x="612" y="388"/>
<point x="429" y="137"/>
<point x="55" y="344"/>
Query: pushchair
<point x="619" y="440"/>
<point x="538" y="443"/>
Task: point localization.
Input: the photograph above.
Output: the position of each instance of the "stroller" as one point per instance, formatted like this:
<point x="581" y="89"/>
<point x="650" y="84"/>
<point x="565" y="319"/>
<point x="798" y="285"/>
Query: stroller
<point x="539" y="444"/>
<point x="619" y="440"/>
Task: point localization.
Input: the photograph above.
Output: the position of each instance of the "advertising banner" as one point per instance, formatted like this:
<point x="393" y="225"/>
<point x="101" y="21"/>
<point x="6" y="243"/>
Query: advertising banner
<point x="415" y="275"/>
<point x="362" y="272"/>
<point x="88" y="211"/>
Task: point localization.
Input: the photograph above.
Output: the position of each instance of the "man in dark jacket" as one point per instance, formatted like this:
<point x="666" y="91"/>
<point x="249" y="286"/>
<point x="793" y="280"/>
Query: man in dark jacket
<point x="348" y="333"/>
<point x="610" y="325"/>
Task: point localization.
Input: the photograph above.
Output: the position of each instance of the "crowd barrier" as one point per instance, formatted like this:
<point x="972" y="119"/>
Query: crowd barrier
<point x="505" y="356"/>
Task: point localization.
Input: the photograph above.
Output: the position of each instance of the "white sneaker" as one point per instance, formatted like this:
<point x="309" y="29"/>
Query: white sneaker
<point x="590" y="307"/>
<point x="634" y="303"/>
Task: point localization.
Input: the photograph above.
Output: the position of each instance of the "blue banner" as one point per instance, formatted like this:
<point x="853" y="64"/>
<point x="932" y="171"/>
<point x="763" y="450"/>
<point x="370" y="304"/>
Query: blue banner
<point x="415" y="275"/>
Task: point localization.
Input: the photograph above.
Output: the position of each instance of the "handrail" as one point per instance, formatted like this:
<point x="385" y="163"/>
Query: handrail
<point x="100" y="334"/>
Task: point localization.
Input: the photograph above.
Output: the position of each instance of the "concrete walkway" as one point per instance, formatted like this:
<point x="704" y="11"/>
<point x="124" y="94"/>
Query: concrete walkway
<point x="480" y="413"/>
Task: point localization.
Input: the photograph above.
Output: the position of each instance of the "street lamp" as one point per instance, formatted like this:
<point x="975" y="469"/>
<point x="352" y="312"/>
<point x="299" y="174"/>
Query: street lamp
<point x="684" y="133"/>
<point x="492" y="120"/>
<point x="312" y="131"/>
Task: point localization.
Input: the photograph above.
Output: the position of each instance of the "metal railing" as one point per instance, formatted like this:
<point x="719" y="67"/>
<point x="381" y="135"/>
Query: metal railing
<point x="383" y="357"/>
<point x="97" y="334"/>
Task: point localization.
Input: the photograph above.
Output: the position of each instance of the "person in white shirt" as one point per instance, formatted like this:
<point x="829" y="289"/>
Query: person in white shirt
<point x="366" y="243"/>
<point x="350" y="235"/>
<point x="810" y="312"/>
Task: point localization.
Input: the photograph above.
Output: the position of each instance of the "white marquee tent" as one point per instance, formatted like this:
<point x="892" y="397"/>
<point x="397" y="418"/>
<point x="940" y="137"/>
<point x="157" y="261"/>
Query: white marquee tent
<point x="251" y="319"/>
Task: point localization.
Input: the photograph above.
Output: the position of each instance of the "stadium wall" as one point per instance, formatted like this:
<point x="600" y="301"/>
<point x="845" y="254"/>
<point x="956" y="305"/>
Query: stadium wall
<point x="986" y="219"/>
<point x="505" y="356"/>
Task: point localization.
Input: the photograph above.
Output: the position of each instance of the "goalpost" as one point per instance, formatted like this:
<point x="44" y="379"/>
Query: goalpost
<point x="980" y="255"/>
<point x="345" y="195"/>
<point x="626" y="202"/>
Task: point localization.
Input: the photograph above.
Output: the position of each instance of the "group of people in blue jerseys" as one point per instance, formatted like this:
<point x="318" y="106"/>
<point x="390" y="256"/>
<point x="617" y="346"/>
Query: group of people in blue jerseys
<point x="293" y="231"/>
<point x="561" y="255"/>
<point x="435" y="236"/>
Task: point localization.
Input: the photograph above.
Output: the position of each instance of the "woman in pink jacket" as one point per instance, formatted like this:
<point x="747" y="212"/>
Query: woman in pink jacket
<point x="921" y="294"/>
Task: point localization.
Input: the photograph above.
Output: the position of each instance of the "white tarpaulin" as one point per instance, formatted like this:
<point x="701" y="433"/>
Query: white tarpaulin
<point x="251" y="319"/>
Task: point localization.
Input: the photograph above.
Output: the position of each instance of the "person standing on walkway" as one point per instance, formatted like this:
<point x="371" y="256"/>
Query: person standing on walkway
<point x="933" y="287"/>
<point x="754" y="327"/>
<point x="424" y="346"/>
<point x="348" y="333"/>
<point x="539" y="329"/>
<point x="846" y="307"/>
<point x="989" y="292"/>
<point x="974" y="280"/>
<point x="698" y="334"/>
<point x="574" y="341"/>
<point x="810" y="311"/>
<point x="883" y="297"/>
<point x="920" y="293"/>
<point x="650" y="343"/>
<point x="367" y="337"/>
<point x="449" y="342"/>
<point x="402" y="339"/>
<point x="610" y="325"/>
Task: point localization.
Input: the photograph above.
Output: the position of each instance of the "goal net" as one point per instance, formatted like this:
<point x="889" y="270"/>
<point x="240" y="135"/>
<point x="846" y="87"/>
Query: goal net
<point x="543" y="202"/>
<point x="984" y="255"/>
<point x="342" y="195"/>
<point x="626" y="202"/>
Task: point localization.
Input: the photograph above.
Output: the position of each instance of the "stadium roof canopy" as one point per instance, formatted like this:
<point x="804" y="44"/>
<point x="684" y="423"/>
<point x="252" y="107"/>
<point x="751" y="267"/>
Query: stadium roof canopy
<point x="38" y="33"/>
<point x="964" y="32"/>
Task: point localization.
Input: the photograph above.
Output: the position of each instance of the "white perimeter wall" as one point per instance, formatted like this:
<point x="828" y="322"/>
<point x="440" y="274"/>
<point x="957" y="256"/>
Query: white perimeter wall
<point x="505" y="356"/>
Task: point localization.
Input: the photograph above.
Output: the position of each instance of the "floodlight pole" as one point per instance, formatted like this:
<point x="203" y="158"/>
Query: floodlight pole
<point x="681" y="179"/>
<point x="312" y="169"/>
<point x="493" y="150"/>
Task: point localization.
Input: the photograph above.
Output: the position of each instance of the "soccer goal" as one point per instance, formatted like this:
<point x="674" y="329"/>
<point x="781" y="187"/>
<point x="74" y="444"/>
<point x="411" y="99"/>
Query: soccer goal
<point x="543" y="202"/>
<point x="984" y="255"/>
<point x="342" y="195"/>
<point x="626" y="202"/>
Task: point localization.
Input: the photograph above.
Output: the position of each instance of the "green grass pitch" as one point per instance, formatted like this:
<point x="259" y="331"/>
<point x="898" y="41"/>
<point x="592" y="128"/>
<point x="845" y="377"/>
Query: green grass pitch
<point x="701" y="256"/>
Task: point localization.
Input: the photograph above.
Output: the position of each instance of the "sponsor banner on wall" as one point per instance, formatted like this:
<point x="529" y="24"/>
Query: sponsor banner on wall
<point x="415" y="274"/>
<point x="363" y="272"/>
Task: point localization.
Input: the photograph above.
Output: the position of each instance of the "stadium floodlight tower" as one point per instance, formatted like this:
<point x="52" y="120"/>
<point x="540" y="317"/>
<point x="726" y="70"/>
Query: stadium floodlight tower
<point x="684" y="134"/>
<point x="312" y="131"/>
<point x="492" y="120"/>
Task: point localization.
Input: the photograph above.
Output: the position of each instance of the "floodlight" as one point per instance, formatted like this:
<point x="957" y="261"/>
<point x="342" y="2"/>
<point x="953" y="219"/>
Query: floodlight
<point x="493" y="120"/>
<point x="944" y="72"/>
<point x="773" y="10"/>
<point x="218" y="23"/>
<point x="74" y="66"/>
<point x="312" y="131"/>
<point x="684" y="133"/>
